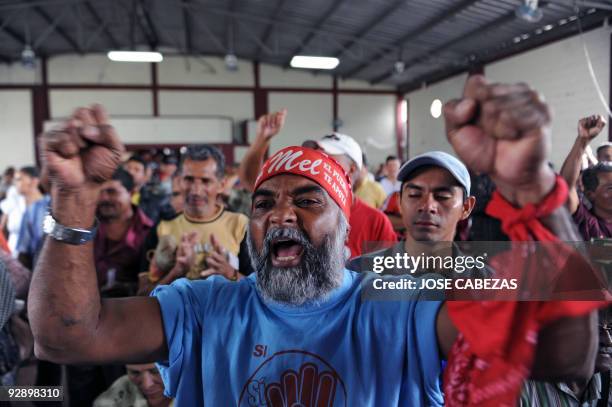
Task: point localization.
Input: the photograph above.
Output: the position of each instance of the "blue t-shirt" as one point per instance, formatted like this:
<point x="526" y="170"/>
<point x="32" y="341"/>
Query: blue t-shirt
<point x="31" y="236"/>
<point x="229" y="347"/>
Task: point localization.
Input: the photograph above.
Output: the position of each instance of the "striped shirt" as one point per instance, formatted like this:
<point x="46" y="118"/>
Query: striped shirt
<point x="544" y="394"/>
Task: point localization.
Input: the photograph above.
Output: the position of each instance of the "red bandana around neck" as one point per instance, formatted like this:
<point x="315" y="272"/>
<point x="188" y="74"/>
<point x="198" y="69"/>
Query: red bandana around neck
<point x="494" y="352"/>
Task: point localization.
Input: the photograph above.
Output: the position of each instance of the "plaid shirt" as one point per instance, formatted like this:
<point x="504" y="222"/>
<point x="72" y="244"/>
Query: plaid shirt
<point x="543" y="394"/>
<point x="7" y="295"/>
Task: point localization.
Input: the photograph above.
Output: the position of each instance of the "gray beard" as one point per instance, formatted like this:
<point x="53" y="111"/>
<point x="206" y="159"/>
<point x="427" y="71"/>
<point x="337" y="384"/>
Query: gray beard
<point x="318" y="274"/>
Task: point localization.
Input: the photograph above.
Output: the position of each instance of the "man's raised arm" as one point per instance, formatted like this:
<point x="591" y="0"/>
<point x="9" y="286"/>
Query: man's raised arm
<point x="588" y="129"/>
<point x="69" y="321"/>
<point x="504" y="131"/>
<point x="267" y="127"/>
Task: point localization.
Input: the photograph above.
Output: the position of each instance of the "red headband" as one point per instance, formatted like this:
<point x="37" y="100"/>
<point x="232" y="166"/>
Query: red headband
<point x="314" y="165"/>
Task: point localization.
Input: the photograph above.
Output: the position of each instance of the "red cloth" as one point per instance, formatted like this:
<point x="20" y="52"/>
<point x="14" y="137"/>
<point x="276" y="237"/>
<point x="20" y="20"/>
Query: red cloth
<point x="370" y="230"/>
<point x="124" y="255"/>
<point x="315" y="165"/>
<point x="3" y="244"/>
<point x="495" y="349"/>
<point x="392" y="204"/>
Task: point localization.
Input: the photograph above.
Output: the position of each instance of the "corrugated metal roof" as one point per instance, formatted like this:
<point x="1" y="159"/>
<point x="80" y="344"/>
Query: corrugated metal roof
<point x="433" y="37"/>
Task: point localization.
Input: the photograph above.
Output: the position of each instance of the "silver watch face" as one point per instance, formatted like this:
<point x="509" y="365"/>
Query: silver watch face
<point x="48" y="224"/>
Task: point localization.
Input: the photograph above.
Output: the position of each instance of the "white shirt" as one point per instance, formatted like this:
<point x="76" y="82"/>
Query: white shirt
<point x="390" y="187"/>
<point x="14" y="206"/>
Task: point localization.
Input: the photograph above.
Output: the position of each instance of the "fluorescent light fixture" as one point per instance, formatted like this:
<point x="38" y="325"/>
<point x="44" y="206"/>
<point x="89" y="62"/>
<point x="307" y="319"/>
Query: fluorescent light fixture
<point x="135" y="56"/>
<point x="309" y="62"/>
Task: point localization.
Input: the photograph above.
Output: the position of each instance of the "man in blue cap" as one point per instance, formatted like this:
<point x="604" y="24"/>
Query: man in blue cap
<point x="434" y="198"/>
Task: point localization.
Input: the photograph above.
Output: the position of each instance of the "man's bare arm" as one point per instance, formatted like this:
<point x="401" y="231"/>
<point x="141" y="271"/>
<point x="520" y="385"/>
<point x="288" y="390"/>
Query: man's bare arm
<point x="567" y="347"/>
<point x="69" y="321"/>
<point x="267" y="127"/>
<point x="504" y="131"/>
<point x="588" y="128"/>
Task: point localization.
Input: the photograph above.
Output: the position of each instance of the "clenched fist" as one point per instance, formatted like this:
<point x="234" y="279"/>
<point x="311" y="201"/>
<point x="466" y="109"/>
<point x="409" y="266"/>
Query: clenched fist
<point x="504" y="131"/>
<point x="590" y="127"/>
<point x="83" y="153"/>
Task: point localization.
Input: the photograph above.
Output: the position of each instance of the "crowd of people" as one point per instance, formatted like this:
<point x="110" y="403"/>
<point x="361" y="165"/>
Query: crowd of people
<point x="244" y="281"/>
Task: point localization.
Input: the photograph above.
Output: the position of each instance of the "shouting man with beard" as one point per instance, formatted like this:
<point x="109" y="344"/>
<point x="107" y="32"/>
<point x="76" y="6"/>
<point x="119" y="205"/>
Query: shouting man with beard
<point x="297" y="331"/>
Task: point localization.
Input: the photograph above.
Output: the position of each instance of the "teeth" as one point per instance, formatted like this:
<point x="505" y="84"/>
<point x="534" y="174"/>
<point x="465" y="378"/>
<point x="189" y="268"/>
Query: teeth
<point x="288" y="258"/>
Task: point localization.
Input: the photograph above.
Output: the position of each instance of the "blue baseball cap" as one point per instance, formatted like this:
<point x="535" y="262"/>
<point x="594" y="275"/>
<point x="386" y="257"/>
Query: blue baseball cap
<point x="438" y="159"/>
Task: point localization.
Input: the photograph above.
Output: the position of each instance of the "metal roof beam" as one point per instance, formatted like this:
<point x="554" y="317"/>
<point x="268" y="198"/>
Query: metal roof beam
<point x="187" y="27"/>
<point x="371" y="24"/>
<point x="335" y="5"/>
<point x="91" y="9"/>
<point x="146" y="25"/>
<point x="427" y="25"/>
<point x="59" y="30"/>
<point x="506" y="18"/>
<point x="12" y="33"/>
<point x="269" y="27"/>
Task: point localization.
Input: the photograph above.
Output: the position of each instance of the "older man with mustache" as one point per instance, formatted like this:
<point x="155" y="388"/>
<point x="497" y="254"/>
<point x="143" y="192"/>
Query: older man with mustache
<point x="298" y="331"/>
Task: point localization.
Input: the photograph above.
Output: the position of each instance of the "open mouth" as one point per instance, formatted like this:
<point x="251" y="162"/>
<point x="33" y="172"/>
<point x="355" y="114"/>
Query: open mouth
<point x="286" y="252"/>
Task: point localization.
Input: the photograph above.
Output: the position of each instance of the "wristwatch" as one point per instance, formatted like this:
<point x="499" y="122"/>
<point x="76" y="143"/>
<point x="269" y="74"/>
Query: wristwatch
<point x="68" y="235"/>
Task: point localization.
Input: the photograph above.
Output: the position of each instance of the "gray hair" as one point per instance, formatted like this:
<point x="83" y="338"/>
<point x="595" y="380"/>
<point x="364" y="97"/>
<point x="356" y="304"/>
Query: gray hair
<point x="203" y="152"/>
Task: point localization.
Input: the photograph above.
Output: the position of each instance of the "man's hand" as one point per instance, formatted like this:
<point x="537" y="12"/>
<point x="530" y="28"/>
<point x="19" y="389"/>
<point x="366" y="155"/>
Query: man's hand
<point x="590" y="127"/>
<point x="218" y="262"/>
<point x="83" y="153"/>
<point x="270" y="124"/>
<point x="185" y="255"/>
<point x="504" y="131"/>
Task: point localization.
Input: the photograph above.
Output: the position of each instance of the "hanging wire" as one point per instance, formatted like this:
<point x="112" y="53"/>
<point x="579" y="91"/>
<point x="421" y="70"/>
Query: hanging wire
<point x="600" y="93"/>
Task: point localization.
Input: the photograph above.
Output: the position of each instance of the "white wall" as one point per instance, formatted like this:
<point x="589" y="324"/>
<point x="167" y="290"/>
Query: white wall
<point x="370" y="119"/>
<point x="237" y="105"/>
<point x="424" y="132"/>
<point x="16" y="131"/>
<point x="559" y="71"/>
<point x="15" y="73"/>
<point x="124" y="89"/>
<point x="96" y="69"/>
<point x="277" y="77"/>
<point x="203" y="71"/>
<point x="309" y="117"/>
<point x="116" y="102"/>
<point x="169" y="130"/>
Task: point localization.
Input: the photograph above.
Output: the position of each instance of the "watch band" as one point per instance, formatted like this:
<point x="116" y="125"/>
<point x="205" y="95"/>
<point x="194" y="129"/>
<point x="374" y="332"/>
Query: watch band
<point x="66" y="234"/>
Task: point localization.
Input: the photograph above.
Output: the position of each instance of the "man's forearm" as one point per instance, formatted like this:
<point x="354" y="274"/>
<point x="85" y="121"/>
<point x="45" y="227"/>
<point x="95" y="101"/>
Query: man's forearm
<point x="252" y="162"/>
<point x="64" y="302"/>
<point x="570" y="170"/>
<point x="567" y="347"/>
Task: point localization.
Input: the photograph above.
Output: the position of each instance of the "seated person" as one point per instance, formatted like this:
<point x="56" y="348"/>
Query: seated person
<point x="142" y="386"/>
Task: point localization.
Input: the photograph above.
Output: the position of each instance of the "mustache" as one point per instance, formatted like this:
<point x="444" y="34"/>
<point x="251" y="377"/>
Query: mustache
<point x="105" y="204"/>
<point x="191" y="197"/>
